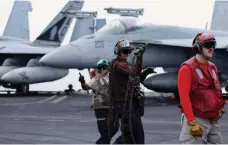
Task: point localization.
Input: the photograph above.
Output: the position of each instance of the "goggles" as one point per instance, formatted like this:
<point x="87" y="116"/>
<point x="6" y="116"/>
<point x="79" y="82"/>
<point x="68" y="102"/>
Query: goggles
<point x="126" y="50"/>
<point x="102" y="67"/>
<point x="209" y="44"/>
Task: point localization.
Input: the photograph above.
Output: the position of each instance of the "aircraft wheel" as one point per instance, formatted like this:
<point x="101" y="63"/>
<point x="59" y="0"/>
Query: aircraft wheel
<point x="22" y="89"/>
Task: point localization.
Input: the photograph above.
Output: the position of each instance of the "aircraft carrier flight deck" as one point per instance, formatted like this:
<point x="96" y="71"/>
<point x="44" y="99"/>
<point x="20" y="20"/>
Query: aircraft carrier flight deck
<point x="69" y="119"/>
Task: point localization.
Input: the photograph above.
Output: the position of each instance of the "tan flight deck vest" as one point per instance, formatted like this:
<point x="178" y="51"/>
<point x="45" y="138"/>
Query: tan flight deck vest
<point x="100" y="98"/>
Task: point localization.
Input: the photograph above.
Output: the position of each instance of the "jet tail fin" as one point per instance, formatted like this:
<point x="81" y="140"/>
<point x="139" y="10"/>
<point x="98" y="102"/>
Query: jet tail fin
<point x="18" y="23"/>
<point x="54" y="34"/>
<point x="86" y="26"/>
<point x="220" y="15"/>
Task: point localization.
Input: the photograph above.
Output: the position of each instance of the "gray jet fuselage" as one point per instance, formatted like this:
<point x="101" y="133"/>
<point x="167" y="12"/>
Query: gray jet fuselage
<point x="86" y="51"/>
<point x="174" y="47"/>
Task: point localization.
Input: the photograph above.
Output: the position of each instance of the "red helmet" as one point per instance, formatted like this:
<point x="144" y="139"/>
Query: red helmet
<point x="122" y="45"/>
<point x="206" y="36"/>
<point x="205" y="39"/>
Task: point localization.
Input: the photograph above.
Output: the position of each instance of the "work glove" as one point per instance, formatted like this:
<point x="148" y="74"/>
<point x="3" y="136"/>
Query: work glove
<point x="194" y="128"/>
<point x="221" y="112"/>
<point x="81" y="78"/>
<point x="140" y="49"/>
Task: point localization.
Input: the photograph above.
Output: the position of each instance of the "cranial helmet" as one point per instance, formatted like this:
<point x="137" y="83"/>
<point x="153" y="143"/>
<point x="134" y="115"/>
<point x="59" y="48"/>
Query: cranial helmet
<point x="122" y="45"/>
<point x="203" y="39"/>
<point x="102" y="64"/>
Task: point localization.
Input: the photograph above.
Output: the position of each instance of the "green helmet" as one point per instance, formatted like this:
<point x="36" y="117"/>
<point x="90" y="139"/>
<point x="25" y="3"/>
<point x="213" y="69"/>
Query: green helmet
<point x="102" y="63"/>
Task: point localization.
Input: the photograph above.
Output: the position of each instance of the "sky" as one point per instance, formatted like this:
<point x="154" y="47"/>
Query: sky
<point x="186" y="13"/>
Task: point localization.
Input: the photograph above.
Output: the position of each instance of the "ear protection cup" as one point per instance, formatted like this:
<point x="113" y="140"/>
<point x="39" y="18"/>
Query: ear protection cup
<point x="196" y="46"/>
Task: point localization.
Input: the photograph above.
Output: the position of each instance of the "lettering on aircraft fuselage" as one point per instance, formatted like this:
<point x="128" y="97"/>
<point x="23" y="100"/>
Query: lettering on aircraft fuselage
<point x="99" y="44"/>
<point x="24" y="76"/>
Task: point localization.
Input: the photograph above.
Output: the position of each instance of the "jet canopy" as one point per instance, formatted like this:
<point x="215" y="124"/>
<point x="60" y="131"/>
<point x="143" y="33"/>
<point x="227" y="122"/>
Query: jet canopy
<point x="120" y="25"/>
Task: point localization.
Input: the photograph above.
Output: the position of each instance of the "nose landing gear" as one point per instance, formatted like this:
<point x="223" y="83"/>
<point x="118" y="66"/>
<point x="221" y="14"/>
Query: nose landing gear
<point x="22" y="89"/>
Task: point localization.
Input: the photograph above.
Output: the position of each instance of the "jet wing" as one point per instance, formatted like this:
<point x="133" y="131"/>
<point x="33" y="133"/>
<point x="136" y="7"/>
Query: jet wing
<point x="25" y="50"/>
<point x="180" y="43"/>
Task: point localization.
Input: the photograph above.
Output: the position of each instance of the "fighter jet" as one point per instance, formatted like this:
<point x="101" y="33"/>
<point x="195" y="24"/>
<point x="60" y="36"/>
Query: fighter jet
<point x="168" y="47"/>
<point x="20" y="57"/>
<point x="17" y="26"/>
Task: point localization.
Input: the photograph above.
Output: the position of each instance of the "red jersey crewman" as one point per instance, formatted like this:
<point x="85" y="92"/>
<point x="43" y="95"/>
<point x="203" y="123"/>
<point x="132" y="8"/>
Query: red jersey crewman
<point x="200" y="94"/>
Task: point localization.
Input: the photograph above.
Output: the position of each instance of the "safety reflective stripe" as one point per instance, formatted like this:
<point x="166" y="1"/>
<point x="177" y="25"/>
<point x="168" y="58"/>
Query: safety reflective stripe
<point x="214" y="74"/>
<point x="199" y="72"/>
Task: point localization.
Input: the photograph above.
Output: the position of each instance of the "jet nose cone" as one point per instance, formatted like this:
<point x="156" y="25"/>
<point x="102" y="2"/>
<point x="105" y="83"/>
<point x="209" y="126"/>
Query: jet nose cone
<point x="56" y="58"/>
<point x="67" y="57"/>
<point x="147" y="83"/>
<point x="11" y="77"/>
<point x="47" y="59"/>
<point x="5" y="69"/>
<point x="154" y="83"/>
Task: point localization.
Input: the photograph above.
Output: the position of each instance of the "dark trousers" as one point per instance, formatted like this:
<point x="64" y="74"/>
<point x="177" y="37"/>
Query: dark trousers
<point x="131" y="124"/>
<point x="102" y="118"/>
